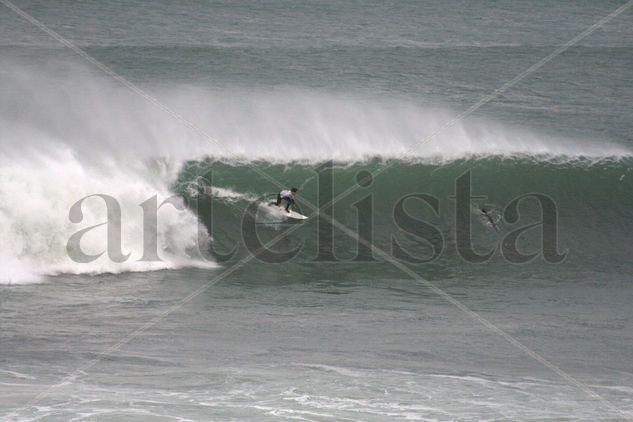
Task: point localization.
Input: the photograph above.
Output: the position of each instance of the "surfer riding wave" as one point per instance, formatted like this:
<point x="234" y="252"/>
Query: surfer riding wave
<point x="288" y="196"/>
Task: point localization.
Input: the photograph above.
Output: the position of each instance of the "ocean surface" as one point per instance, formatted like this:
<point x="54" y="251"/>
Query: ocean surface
<point x="383" y="306"/>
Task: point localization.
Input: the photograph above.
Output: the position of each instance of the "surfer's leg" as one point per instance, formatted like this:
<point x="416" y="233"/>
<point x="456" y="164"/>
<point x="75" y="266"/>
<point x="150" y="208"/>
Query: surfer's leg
<point x="278" y="200"/>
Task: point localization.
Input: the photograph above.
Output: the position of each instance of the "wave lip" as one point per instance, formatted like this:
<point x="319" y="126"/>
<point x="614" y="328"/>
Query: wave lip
<point x="69" y="141"/>
<point x="293" y="125"/>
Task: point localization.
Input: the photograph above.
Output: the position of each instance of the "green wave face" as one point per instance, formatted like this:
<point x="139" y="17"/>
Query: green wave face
<point x="587" y="213"/>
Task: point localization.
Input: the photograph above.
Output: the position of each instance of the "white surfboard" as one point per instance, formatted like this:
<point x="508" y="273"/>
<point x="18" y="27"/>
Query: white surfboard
<point x="291" y="214"/>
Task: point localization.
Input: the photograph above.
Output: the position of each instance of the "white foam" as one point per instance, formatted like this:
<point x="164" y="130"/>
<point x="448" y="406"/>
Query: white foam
<point x="16" y="272"/>
<point x="100" y="120"/>
<point x="37" y="194"/>
<point x="293" y="125"/>
<point x="67" y="133"/>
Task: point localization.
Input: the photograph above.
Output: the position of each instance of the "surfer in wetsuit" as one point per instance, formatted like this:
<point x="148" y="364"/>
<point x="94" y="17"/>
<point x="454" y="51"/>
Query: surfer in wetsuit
<point x="490" y="220"/>
<point x="288" y="196"/>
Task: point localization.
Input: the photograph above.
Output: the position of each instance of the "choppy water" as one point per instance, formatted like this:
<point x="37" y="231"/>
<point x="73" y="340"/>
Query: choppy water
<point x="267" y="91"/>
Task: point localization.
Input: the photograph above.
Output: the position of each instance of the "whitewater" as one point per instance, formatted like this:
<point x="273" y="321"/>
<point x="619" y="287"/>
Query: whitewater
<point x="94" y="136"/>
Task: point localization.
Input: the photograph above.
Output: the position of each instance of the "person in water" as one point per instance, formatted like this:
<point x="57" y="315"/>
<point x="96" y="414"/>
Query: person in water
<point x="490" y="220"/>
<point x="288" y="196"/>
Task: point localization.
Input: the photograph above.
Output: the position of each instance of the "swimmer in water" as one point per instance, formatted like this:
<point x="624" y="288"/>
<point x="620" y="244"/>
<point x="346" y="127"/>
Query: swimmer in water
<point x="490" y="220"/>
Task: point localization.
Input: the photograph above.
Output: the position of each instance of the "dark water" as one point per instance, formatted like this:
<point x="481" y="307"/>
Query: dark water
<point x="591" y="207"/>
<point x="261" y="95"/>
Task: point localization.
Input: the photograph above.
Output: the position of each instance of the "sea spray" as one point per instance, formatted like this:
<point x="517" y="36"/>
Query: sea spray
<point x="62" y="141"/>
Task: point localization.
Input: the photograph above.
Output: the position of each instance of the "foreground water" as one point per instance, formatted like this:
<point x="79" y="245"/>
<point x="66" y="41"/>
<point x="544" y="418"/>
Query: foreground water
<point x="339" y="347"/>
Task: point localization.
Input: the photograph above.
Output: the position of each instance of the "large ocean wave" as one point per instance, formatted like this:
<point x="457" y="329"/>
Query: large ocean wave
<point x="67" y="133"/>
